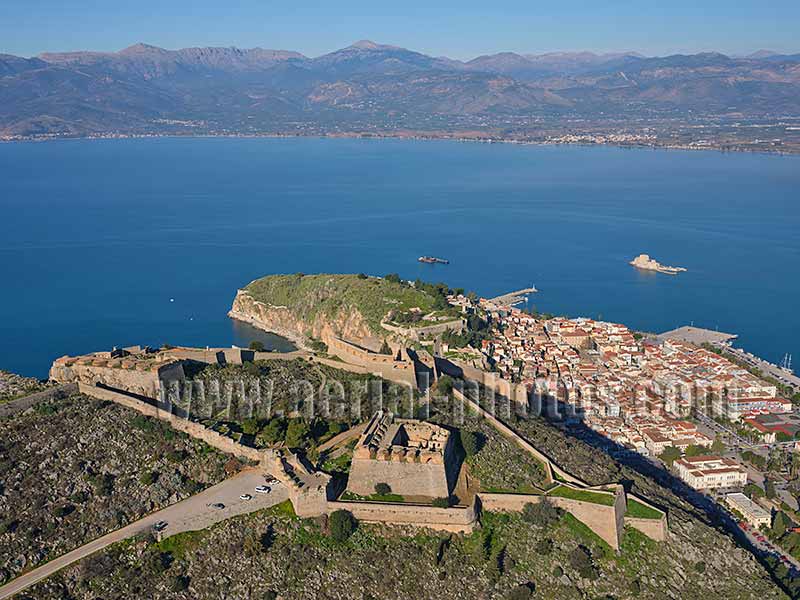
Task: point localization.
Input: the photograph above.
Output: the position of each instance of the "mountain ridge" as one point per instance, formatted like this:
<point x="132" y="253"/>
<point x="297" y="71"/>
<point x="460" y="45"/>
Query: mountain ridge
<point x="373" y="87"/>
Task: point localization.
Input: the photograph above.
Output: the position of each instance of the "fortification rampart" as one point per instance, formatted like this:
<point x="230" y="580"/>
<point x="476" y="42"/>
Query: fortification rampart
<point x="516" y="392"/>
<point x="604" y="520"/>
<point x="138" y="375"/>
<point x="414" y="458"/>
<point x="513" y="436"/>
<point x="424" y="332"/>
<point x="656" y="529"/>
<point x="383" y="365"/>
<point x="456" y="519"/>
<point x="196" y="430"/>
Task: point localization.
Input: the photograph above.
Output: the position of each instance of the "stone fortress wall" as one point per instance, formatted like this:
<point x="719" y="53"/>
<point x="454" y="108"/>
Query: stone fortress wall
<point x="385" y="365"/>
<point x="456" y="519"/>
<point x="309" y="493"/>
<point x="407" y="455"/>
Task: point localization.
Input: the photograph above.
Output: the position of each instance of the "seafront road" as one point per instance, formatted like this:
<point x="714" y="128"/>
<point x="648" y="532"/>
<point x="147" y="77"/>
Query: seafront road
<point x="192" y="514"/>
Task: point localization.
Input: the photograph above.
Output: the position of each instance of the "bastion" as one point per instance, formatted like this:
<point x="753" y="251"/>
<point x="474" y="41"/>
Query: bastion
<point x="134" y="370"/>
<point x="413" y="457"/>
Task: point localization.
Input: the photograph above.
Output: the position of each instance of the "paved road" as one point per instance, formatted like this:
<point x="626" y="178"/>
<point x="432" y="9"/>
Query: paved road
<point x="767" y="367"/>
<point x="192" y="514"/>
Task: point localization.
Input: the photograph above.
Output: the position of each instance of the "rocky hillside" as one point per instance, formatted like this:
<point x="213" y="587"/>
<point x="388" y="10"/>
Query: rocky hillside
<point x="14" y="386"/>
<point x="272" y="554"/>
<point x="75" y="469"/>
<point x="302" y="307"/>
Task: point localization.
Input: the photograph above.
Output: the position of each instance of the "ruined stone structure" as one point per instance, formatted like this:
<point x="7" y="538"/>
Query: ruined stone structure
<point x="136" y="370"/>
<point x="414" y="458"/>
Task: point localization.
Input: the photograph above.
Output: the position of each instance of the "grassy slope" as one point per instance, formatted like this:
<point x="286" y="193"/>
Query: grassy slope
<point x="310" y="296"/>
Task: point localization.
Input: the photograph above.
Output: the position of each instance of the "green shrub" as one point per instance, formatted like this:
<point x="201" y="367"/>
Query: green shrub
<point x="148" y="477"/>
<point x="543" y="513"/>
<point x="441" y="502"/>
<point x="521" y="592"/>
<point x="383" y="489"/>
<point x="700" y="566"/>
<point x="342" y="524"/>
<point x="544" y="546"/>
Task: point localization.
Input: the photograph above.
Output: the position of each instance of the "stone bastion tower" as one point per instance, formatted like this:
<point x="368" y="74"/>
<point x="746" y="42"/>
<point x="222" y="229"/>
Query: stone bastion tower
<point x="413" y="457"/>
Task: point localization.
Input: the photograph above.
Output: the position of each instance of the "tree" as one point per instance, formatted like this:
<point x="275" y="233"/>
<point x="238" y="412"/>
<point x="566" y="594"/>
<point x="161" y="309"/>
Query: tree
<point x="695" y="450"/>
<point x="386" y="348"/>
<point x="257" y="346"/>
<point x="543" y="513"/>
<point x="445" y="385"/>
<point x="250" y="426"/>
<point x="700" y="566"/>
<point x="780" y="523"/>
<point x="769" y="488"/>
<point x="383" y="489"/>
<point x="273" y="432"/>
<point x="297" y="433"/>
<point x="670" y="455"/>
<point x="470" y="442"/>
<point x="753" y="491"/>
<point x="342" y="524"/>
<point x="581" y="560"/>
<point x="148" y="477"/>
<point x="718" y="447"/>
<point x="392" y="277"/>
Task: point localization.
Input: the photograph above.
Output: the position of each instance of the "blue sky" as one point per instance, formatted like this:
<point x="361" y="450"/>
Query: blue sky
<point x="460" y="29"/>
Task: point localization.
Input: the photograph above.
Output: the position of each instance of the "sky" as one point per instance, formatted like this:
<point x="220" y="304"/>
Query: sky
<point x="459" y="29"/>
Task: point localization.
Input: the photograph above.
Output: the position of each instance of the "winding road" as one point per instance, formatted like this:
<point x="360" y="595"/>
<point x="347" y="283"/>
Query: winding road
<point x="192" y="514"/>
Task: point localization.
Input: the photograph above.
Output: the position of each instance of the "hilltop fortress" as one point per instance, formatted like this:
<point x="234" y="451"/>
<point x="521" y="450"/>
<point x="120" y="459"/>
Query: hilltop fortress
<point x="417" y="459"/>
<point x="408" y="455"/>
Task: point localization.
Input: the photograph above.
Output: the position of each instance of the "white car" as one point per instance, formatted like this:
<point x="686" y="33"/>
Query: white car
<point x="245" y="497"/>
<point x="263" y="489"/>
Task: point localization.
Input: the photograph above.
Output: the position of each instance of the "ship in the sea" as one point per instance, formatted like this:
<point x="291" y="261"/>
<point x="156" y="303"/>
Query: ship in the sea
<point x="432" y="260"/>
<point x="643" y="261"/>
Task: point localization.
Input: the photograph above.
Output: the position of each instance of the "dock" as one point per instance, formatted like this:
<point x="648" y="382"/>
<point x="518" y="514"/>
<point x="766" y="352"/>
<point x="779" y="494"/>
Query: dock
<point x="512" y="298"/>
<point x="697" y="336"/>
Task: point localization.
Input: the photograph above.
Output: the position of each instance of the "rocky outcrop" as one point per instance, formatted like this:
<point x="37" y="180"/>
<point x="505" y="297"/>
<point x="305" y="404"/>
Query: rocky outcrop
<point x="347" y="324"/>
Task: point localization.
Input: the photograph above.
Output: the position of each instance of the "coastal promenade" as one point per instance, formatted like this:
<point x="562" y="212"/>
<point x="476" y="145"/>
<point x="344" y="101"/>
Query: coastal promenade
<point x="766" y="367"/>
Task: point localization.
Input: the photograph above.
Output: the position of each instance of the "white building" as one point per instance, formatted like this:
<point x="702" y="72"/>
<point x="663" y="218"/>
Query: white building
<point x="752" y="512"/>
<point x="711" y="472"/>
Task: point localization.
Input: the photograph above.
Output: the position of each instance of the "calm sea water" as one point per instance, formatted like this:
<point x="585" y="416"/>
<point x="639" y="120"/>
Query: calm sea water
<point x="107" y="243"/>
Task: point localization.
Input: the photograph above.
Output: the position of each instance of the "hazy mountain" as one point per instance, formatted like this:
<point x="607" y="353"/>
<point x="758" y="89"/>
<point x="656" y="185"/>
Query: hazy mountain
<point x="370" y="86"/>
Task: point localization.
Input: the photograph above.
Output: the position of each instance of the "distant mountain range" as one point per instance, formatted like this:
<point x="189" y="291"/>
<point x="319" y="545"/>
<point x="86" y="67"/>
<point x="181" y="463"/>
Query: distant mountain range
<point x="374" y="87"/>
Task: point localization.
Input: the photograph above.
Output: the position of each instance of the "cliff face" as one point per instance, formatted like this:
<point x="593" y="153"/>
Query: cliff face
<point x="347" y="323"/>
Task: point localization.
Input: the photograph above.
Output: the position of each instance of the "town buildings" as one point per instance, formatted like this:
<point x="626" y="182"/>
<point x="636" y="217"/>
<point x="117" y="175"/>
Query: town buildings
<point x="637" y="393"/>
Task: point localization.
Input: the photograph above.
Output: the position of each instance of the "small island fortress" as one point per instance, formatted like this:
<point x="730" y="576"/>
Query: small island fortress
<point x="644" y="262"/>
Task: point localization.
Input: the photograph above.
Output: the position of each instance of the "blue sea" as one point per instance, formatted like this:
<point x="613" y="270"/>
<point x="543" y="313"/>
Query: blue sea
<point x="118" y="242"/>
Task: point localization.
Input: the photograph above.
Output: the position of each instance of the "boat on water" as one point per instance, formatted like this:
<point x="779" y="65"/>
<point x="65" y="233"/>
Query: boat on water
<point x="431" y="260"/>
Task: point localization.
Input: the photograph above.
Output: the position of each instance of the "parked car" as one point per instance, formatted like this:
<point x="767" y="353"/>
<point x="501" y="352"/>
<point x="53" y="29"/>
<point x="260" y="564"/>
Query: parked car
<point x="245" y="497"/>
<point x="160" y="526"/>
<point x="270" y="479"/>
<point x="263" y="489"/>
<point x="218" y="505"/>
